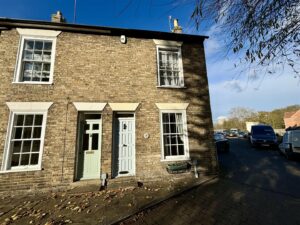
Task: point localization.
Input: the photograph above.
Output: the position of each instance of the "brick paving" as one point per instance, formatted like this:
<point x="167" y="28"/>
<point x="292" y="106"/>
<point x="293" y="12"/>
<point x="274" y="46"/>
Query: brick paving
<point x="223" y="201"/>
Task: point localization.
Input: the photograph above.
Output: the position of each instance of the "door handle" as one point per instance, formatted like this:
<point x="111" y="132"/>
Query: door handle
<point x="124" y="145"/>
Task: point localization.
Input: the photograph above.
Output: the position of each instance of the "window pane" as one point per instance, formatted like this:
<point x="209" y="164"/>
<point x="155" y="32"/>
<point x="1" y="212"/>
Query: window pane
<point x="180" y="139"/>
<point x="48" y="46"/>
<point x="16" y="146"/>
<point x="26" y="146"/>
<point x="24" y="160"/>
<point x="167" y="139"/>
<point x="47" y="56"/>
<point x="163" y="81"/>
<point x="167" y="150"/>
<point x="173" y="128"/>
<point x="174" y="150"/>
<point x="37" y="55"/>
<point x="181" y="149"/>
<point x="18" y="133"/>
<point x="38" y="45"/>
<point x="165" y="117"/>
<point x="34" y="159"/>
<point x="28" y="55"/>
<point x="172" y="118"/>
<point x="95" y="126"/>
<point x="38" y="120"/>
<point x="37" y="132"/>
<point x="28" y="66"/>
<point x="46" y="67"/>
<point x="173" y="139"/>
<point x="20" y="119"/>
<point x="27" y="76"/>
<point x="45" y="77"/>
<point x="27" y="132"/>
<point x="28" y="120"/>
<point x="95" y="140"/>
<point x="36" y="146"/>
<point x="178" y="117"/>
<point x="37" y="66"/>
<point x="15" y="160"/>
<point x="166" y="129"/>
<point x="36" y="76"/>
<point x="29" y="45"/>
<point x="179" y="128"/>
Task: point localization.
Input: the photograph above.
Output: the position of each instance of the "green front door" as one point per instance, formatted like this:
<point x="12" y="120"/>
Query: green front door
<point x="89" y="154"/>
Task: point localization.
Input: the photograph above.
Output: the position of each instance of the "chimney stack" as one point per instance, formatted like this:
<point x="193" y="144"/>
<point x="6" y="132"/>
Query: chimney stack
<point x="57" y="18"/>
<point x="177" y="28"/>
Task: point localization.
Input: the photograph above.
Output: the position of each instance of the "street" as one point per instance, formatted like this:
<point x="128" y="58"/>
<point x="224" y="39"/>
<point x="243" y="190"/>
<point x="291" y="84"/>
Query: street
<point x="256" y="186"/>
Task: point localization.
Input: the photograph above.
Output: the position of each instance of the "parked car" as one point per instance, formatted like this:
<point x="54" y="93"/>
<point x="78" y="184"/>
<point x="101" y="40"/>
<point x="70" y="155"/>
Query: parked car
<point x="242" y="135"/>
<point x="233" y="132"/>
<point x="263" y="136"/>
<point x="222" y="143"/>
<point x="290" y="145"/>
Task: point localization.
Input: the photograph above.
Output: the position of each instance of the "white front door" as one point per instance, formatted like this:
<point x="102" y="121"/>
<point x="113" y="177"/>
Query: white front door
<point x="89" y="154"/>
<point x="125" y="146"/>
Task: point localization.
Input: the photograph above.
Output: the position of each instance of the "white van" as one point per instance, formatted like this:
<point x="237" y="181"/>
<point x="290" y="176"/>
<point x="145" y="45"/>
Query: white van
<point x="290" y="145"/>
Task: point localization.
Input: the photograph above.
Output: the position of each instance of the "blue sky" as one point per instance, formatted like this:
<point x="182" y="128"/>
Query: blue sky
<point x="226" y="91"/>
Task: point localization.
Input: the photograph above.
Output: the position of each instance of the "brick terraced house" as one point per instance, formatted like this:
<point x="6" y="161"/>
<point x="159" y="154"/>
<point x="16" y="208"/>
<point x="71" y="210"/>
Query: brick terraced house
<point x="84" y="102"/>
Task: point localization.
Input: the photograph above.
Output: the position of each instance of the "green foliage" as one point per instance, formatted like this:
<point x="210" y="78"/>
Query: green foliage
<point x="273" y="118"/>
<point x="265" y="32"/>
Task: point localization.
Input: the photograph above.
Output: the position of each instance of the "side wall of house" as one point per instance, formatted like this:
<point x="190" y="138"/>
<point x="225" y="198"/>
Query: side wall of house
<point x="98" y="68"/>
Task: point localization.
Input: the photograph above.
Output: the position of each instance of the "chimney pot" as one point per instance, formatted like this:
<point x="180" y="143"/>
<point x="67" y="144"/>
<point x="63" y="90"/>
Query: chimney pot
<point x="58" y="17"/>
<point x="177" y="28"/>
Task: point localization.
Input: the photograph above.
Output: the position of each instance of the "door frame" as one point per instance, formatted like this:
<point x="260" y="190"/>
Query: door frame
<point x="80" y="118"/>
<point x="115" y="146"/>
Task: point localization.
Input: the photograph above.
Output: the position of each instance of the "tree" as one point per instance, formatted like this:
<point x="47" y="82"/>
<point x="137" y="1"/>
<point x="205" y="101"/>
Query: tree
<point x="241" y="113"/>
<point x="265" y="32"/>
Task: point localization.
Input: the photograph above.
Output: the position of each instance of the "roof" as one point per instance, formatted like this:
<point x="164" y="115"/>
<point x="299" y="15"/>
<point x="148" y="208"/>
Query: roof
<point x="7" y="23"/>
<point x="289" y="114"/>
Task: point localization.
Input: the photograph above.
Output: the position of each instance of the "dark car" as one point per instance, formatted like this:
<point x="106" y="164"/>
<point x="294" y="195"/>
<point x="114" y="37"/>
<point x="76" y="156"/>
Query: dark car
<point x="222" y="144"/>
<point x="263" y="136"/>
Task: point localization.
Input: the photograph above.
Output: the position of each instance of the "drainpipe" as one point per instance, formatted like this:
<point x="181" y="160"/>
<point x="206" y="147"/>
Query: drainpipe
<point x="103" y="181"/>
<point x="65" y="139"/>
<point x="195" y="162"/>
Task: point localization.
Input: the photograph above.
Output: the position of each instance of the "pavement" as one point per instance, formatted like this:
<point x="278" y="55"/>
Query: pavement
<point x="85" y="204"/>
<point x="255" y="186"/>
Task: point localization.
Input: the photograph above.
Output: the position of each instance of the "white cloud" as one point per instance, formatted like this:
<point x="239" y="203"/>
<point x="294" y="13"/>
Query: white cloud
<point x="234" y="85"/>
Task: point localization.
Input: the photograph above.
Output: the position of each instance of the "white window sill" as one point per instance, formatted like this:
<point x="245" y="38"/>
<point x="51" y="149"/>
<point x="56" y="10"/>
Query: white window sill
<point x="178" y="87"/>
<point x="49" y="83"/>
<point x="176" y="159"/>
<point x="20" y="170"/>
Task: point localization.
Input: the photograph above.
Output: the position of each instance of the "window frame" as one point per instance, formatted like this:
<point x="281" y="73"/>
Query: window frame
<point x="19" y="62"/>
<point x="180" y="66"/>
<point x="186" y="155"/>
<point x="6" y="164"/>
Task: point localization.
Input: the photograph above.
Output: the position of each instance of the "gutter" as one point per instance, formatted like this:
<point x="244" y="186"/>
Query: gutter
<point x="88" y="29"/>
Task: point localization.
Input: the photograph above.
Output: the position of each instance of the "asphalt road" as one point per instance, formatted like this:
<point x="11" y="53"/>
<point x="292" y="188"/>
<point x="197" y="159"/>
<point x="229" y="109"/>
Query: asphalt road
<point x="261" y="168"/>
<point x="256" y="186"/>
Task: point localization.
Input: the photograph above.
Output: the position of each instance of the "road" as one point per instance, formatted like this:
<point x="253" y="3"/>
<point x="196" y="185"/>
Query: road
<point x="256" y="186"/>
<point x="261" y="168"/>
